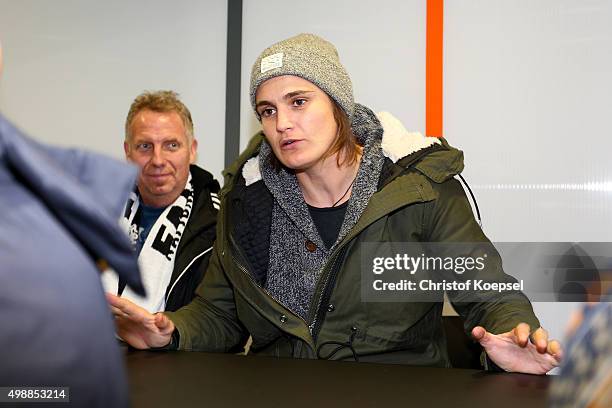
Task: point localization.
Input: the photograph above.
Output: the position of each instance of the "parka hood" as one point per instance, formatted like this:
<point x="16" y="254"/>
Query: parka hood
<point x="433" y="157"/>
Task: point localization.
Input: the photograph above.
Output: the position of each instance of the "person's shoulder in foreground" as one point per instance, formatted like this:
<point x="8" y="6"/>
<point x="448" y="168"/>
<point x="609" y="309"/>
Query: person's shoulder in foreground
<point x="58" y="217"/>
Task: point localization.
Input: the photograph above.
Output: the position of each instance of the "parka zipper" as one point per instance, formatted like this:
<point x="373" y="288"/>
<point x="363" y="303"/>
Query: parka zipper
<point x="330" y="279"/>
<point x="236" y="250"/>
<point x="328" y="286"/>
<point x="298" y="348"/>
<point x="245" y="270"/>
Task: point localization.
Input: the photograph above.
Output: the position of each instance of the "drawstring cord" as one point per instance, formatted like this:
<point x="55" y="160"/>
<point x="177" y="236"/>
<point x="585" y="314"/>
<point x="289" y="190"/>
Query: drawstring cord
<point x="340" y="345"/>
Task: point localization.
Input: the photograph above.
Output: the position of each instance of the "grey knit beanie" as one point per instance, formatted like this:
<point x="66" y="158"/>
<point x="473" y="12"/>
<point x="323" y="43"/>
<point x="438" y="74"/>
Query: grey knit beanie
<point x="310" y="57"/>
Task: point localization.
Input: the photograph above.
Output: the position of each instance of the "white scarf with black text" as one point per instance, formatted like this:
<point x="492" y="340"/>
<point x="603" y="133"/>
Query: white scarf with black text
<point x="156" y="259"/>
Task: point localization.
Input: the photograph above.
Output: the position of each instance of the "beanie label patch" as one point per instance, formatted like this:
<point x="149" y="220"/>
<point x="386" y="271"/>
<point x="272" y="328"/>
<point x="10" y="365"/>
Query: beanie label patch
<point x="271" y="62"/>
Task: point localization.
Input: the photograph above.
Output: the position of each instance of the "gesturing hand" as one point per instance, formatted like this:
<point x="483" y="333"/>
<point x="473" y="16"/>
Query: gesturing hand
<point x="514" y="351"/>
<point x="137" y="326"/>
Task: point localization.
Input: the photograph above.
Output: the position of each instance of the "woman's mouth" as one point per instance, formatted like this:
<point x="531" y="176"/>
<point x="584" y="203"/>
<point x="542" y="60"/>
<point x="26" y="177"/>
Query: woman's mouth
<point x="289" y="143"/>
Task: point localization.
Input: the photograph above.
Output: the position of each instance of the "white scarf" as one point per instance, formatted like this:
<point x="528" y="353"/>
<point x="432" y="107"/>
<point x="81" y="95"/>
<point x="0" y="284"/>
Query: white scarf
<point x="156" y="259"/>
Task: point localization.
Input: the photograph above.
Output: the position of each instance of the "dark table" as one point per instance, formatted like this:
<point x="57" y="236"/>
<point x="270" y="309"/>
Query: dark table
<point x="188" y="379"/>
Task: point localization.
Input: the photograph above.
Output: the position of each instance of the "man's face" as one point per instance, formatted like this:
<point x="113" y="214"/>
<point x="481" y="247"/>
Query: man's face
<point x="160" y="147"/>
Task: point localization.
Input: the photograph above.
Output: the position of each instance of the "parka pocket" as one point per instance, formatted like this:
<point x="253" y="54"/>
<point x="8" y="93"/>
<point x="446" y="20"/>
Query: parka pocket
<point x="393" y="326"/>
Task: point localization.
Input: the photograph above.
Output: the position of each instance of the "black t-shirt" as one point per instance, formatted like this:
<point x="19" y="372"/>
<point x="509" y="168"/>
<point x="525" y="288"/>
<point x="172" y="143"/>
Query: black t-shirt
<point x="328" y="222"/>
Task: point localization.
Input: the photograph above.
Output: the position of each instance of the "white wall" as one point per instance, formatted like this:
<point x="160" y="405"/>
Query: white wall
<point x="527" y="96"/>
<point x="527" y="88"/>
<point x="72" y="67"/>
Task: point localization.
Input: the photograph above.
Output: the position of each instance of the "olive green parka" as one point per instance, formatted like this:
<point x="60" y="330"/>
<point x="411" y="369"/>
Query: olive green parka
<point x="418" y="200"/>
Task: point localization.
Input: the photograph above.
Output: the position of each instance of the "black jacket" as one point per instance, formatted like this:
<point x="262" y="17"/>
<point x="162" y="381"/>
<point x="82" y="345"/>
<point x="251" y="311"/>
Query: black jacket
<point x="195" y="247"/>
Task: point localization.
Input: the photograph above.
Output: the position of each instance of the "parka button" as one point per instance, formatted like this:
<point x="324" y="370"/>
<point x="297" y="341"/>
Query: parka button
<point x="283" y="318"/>
<point x="310" y="246"/>
<point x="331" y="308"/>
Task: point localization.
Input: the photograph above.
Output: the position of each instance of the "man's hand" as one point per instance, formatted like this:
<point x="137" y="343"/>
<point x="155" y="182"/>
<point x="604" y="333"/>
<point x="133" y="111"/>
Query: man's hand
<point x="137" y="326"/>
<point x="515" y="351"/>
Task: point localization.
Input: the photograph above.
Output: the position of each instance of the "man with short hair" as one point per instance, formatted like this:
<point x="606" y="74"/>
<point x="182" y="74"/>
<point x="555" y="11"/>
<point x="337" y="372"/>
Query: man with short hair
<point x="171" y="215"/>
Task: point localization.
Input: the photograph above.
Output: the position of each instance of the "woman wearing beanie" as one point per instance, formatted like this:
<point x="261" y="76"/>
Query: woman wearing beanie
<point x="323" y="177"/>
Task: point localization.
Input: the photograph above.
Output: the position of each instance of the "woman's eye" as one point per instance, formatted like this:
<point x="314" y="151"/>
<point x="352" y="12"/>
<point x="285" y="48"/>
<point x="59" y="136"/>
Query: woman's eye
<point x="299" y="102"/>
<point x="267" y="112"/>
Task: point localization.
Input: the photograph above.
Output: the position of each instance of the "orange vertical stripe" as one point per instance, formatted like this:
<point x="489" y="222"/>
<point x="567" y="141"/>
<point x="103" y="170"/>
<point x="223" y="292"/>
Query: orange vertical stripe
<point x="433" y="71"/>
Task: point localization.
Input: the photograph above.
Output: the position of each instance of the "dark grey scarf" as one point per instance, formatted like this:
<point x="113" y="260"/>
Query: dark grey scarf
<point x="293" y="271"/>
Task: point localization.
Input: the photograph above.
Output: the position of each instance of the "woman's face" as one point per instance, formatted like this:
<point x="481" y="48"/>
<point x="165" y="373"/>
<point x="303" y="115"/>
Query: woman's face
<point x="298" y="120"/>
